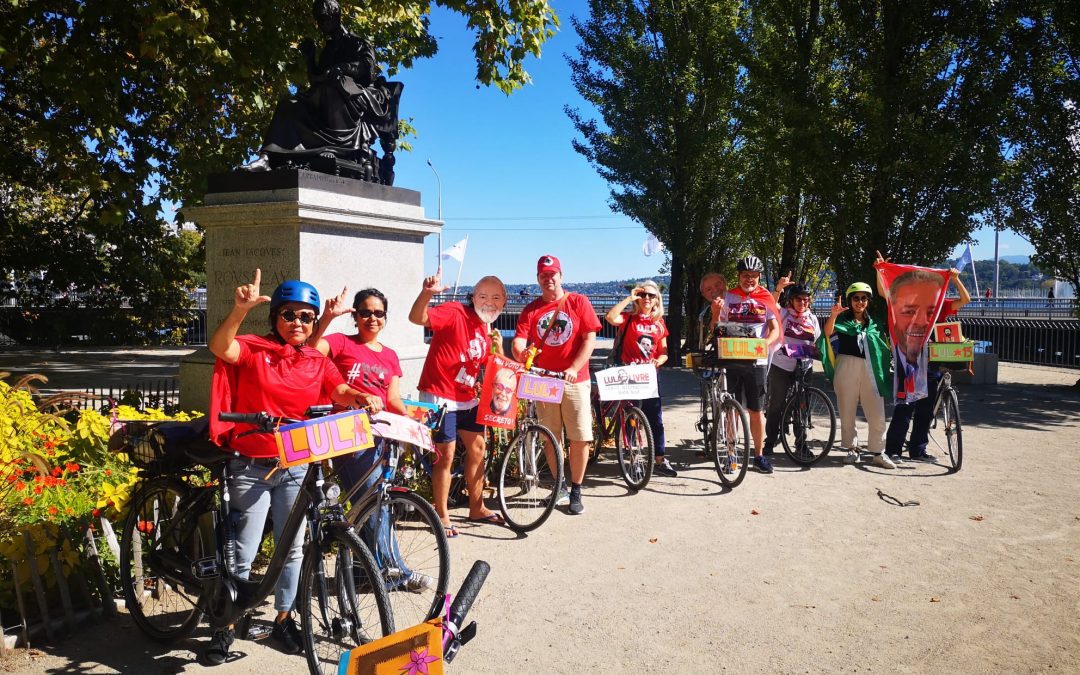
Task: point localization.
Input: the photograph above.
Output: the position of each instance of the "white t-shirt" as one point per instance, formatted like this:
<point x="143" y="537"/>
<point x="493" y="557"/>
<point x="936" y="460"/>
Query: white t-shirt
<point x="800" y="332"/>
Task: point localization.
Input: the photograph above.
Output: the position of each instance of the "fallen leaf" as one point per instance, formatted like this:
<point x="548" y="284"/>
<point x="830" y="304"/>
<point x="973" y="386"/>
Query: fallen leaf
<point x="975" y="517"/>
<point x="754" y="512"/>
<point x="875" y="598"/>
<point x="1015" y="597"/>
<point x="935" y="599"/>
<point x="653" y="540"/>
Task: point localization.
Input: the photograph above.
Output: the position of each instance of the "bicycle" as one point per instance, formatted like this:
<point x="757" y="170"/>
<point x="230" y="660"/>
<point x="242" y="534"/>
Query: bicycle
<point x="530" y="470"/>
<point x="949" y="436"/>
<point x="808" y="419"/>
<point x="625" y="424"/>
<point x="724" y="422"/>
<point x="178" y="552"/>
<point x="405" y="536"/>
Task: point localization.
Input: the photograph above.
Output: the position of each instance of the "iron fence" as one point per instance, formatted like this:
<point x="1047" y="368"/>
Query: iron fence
<point x="162" y="393"/>
<point x="1035" y="341"/>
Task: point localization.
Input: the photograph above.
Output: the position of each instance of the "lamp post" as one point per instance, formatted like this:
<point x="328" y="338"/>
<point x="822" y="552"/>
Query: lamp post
<point x="438" y="254"/>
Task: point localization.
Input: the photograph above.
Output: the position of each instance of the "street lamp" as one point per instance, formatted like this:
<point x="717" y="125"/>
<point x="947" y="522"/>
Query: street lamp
<point x="438" y="255"/>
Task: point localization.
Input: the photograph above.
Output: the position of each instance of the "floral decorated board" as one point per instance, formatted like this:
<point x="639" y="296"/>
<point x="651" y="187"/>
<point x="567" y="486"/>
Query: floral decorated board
<point x="413" y="651"/>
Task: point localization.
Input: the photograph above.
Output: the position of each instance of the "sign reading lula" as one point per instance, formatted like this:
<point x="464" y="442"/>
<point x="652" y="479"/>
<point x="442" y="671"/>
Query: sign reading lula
<point x="324" y="437"/>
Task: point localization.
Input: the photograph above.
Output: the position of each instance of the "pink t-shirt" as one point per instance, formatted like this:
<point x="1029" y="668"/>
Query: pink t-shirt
<point x="575" y="320"/>
<point x="644" y="338"/>
<point x="459" y="345"/>
<point x="363" y="368"/>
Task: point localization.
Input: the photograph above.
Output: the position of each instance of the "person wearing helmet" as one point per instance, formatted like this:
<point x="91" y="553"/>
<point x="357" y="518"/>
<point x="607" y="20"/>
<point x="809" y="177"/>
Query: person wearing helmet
<point x="801" y="330"/>
<point x="857" y="360"/>
<point x="277" y="373"/>
<point x="752" y="305"/>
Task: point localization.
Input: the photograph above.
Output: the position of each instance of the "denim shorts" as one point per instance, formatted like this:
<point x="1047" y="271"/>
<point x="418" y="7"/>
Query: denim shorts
<point x="458" y="420"/>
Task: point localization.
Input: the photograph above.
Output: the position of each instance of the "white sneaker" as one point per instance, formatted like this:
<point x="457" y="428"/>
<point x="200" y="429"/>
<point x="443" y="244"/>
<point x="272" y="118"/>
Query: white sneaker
<point x="882" y="461"/>
<point x="852" y="457"/>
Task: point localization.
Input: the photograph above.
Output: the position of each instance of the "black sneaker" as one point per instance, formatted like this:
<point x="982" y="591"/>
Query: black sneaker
<point x="763" y="464"/>
<point x="895" y="457"/>
<point x="576" y="507"/>
<point x="922" y="456"/>
<point x="217" y="652"/>
<point x="288" y="636"/>
<point x="664" y="468"/>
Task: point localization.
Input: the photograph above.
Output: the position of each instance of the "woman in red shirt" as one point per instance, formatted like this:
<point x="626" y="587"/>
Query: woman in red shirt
<point x="280" y="374"/>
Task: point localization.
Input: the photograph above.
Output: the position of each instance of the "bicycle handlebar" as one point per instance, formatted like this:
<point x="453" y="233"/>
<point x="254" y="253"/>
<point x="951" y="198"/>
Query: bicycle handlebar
<point x="559" y="375"/>
<point x="453" y="635"/>
<point x="266" y="423"/>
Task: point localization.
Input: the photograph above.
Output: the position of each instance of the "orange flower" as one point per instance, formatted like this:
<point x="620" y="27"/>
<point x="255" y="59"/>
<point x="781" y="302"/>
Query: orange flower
<point x="20" y="486"/>
<point x="53" y="510"/>
<point x="12" y="477"/>
<point x="57" y="471"/>
<point x="96" y="513"/>
<point x="69" y="511"/>
<point x="28" y="501"/>
<point x="71" y="467"/>
<point x="37" y="489"/>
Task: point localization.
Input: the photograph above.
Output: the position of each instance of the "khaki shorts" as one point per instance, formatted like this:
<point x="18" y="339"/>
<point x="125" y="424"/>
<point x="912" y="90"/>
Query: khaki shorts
<point x="574" y="414"/>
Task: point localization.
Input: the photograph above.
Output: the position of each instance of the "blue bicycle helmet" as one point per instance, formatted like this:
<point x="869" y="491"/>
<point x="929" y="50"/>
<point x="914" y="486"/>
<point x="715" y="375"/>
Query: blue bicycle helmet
<point x="295" y="290"/>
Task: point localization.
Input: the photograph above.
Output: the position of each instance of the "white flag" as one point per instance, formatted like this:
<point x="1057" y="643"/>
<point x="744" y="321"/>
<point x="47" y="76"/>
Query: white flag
<point x="652" y="245"/>
<point x="457" y="251"/>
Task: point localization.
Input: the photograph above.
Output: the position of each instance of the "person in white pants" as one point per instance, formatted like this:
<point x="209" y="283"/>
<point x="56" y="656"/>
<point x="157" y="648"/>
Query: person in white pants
<point x="858" y="342"/>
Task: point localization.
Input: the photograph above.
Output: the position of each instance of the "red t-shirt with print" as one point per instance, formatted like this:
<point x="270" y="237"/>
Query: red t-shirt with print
<point x="575" y="320"/>
<point x="363" y="368"/>
<point x="271" y="377"/>
<point x="644" y="338"/>
<point x="459" y="345"/>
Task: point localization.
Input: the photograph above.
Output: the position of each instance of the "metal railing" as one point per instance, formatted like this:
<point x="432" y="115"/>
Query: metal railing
<point x="1033" y="341"/>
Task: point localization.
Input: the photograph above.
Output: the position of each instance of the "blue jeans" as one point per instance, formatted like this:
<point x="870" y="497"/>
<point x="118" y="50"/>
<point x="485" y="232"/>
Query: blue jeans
<point x="251" y="498"/>
<point x="654" y="412"/>
<point x="381" y="541"/>
<point x="923" y="412"/>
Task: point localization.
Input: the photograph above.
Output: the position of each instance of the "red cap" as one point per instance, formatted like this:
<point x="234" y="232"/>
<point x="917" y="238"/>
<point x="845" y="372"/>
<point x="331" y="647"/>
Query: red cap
<point x="548" y="263"/>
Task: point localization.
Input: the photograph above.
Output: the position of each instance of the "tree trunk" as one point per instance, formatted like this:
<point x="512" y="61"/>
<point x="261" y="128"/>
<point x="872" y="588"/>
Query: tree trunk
<point x="675" y="309"/>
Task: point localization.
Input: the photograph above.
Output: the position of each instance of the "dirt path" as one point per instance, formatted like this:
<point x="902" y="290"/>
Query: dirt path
<point x="801" y="571"/>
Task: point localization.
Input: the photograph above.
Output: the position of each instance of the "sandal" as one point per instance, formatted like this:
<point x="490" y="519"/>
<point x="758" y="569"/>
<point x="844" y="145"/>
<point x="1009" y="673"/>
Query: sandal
<point x="489" y="519"/>
<point x="451" y="531"/>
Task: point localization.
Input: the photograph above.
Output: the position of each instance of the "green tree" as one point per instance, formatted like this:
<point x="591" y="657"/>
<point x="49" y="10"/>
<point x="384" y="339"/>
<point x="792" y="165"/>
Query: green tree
<point x="109" y="110"/>
<point x="662" y="78"/>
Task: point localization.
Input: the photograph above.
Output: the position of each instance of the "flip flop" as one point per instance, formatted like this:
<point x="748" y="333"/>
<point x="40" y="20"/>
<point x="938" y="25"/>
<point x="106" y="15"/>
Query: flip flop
<point x="451" y="531"/>
<point x="490" y="519"/>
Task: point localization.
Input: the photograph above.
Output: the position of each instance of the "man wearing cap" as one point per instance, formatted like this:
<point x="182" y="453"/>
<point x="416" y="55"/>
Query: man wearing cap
<point x="567" y="325"/>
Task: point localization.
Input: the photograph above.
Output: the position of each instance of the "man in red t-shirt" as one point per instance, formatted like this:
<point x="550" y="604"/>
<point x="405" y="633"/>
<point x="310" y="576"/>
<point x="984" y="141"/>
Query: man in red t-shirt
<point x="567" y="325"/>
<point x="460" y="343"/>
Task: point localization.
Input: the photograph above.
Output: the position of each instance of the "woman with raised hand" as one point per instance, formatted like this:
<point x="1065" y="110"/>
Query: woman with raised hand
<point x="640" y="317"/>
<point x="281" y="374"/>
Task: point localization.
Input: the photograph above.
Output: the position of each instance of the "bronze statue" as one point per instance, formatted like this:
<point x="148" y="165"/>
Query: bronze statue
<point x="332" y="126"/>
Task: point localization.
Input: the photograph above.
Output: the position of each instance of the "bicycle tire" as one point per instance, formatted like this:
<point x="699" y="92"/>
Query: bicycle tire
<point x="419" y="543"/>
<point x="528" y="490"/>
<point x="635" y="448"/>
<point x="954" y="431"/>
<point x="163" y="609"/>
<point x="810" y="411"/>
<point x="707" y="419"/>
<point x="340" y="609"/>
<point x="731" y="444"/>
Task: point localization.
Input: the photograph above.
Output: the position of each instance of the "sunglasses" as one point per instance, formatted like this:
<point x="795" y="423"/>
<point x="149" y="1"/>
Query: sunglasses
<point x="646" y="295"/>
<point x="305" y="317"/>
<point x="860" y="298"/>
<point x="368" y="313"/>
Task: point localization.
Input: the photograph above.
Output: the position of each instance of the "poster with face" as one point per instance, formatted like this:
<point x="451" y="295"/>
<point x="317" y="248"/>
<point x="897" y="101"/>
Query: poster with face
<point x="498" y="395"/>
<point x="915" y="296"/>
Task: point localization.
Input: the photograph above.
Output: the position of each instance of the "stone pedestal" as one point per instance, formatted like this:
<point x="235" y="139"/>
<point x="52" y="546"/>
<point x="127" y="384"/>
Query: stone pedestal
<point x="329" y="231"/>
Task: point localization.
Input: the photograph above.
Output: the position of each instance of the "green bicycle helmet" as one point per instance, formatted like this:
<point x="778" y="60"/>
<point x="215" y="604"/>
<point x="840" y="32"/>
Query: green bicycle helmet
<point x="859" y="286"/>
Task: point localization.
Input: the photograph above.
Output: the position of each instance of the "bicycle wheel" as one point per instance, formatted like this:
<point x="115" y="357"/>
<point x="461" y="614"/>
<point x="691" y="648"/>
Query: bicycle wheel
<point x="808" y="426"/>
<point x="707" y="418"/>
<point x="731" y="442"/>
<point x="340" y="608"/>
<point x="161" y="597"/>
<point x="459" y="492"/>
<point x="946" y="432"/>
<point x="634" y="443"/>
<point x="528" y="480"/>
<point x="409" y="544"/>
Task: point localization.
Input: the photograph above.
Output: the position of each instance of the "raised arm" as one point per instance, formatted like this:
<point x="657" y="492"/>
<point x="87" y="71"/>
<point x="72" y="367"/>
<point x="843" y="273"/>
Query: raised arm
<point x="432" y="286"/>
<point x="782" y="283"/>
<point x="965" y="297"/>
<point x="615" y="314"/>
<point x="223" y="342"/>
<point x="830" y="323"/>
<point x="332" y="309"/>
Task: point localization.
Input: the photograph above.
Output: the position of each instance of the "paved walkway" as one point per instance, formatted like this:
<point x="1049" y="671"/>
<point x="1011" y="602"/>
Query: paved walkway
<point x="801" y="571"/>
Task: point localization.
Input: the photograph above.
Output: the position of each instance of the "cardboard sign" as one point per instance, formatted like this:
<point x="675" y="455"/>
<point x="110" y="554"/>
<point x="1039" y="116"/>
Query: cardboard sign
<point x="627" y="383"/>
<point x="411" y="651"/>
<point x="323" y="438"/>
<point x="424" y="413"/>
<point x="741" y="348"/>
<point x="948" y="332"/>
<point x="952" y="352"/>
<point x="404" y="429"/>
<point x="498" y="395"/>
<point x="543" y="389"/>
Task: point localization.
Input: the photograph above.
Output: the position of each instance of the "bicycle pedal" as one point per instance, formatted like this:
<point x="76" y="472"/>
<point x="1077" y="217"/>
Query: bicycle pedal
<point x="205" y="568"/>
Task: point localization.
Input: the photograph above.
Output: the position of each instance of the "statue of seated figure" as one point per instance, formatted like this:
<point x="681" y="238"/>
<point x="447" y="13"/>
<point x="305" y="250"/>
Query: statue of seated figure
<point x="346" y="107"/>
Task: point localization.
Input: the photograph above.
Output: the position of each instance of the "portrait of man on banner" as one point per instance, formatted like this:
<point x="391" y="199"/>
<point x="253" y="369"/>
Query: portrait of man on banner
<point x="915" y="296"/>
<point x="498" y="394"/>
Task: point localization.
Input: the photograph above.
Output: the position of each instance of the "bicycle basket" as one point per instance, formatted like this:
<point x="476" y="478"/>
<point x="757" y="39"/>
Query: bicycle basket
<point x="157" y="446"/>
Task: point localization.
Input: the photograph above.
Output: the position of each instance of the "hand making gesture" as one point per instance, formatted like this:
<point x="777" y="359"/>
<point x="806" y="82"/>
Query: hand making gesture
<point x="783" y="282"/>
<point x="337" y="306"/>
<point x="247" y="296"/>
<point x="434" y="284"/>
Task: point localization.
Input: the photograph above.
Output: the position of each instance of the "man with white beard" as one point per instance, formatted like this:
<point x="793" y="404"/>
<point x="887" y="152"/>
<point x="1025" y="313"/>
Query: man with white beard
<point x="460" y="342"/>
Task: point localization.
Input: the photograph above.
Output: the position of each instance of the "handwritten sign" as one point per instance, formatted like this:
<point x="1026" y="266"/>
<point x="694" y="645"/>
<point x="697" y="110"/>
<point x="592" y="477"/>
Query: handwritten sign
<point x="323" y="438"/>
<point x="401" y="428"/>
<point x="627" y="383"/>
<point x="952" y="351"/>
<point x="742" y="348"/>
<point x="543" y="389"/>
<point x="498" y="395"/>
